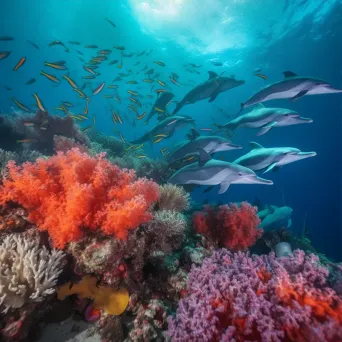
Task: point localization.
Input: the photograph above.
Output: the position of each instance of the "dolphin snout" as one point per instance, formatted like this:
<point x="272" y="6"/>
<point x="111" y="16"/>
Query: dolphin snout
<point x="307" y="154"/>
<point x="264" y="181"/>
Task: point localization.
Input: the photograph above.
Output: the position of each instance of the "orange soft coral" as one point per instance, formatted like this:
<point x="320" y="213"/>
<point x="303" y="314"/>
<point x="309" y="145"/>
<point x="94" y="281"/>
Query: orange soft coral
<point x="71" y="192"/>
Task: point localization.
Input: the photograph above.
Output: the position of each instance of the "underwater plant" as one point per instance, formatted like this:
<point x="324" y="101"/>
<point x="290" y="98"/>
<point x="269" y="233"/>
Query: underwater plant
<point x="173" y="197"/>
<point x="231" y="226"/>
<point x="69" y="193"/>
<point x="28" y="273"/>
<point x="238" y="297"/>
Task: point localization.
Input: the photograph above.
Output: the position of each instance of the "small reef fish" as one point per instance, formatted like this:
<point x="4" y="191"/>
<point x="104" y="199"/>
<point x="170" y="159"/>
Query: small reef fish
<point x="122" y="138"/>
<point x="141" y="116"/>
<point x="138" y="147"/>
<point x="50" y="77"/>
<point x="58" y="42"/>
<point x="30" y="81"/>
<point x="86" y="129"/>
<point x="71" y="82"/>
<point x="91" y="47"/>
<point x="159" y="63"/>
<point x="158" y="140"/>
<point x="27" y="141"/>
<point x="88" y="77"/>
<point x="110" y="22"/>
<point x="161" y="83"/>
<point x="174" y="81"/>
<point x="112" y="86"/>
<point x="80" y="93"/>
<point x="206" y="129"/>
<point x="160" y="91"/>
<point x="6" y="38"/>
<point x="91" y="71"/>
<point x="132" y="82"/>
<point x="20" y="105"/>
<point x="56" y="66"/>
<point x="39" y="102"/>
<point x="33" y="44"/>
<point x="4" y="54"/>
<point x="148" y="80"/>
<point x="134" y="93"/>
<point x="264" y="77"/>
<point x="140" y="156"/>
<point x="113" y="62"/>
<point x="117" y="99"/>
<point x="74" y="43"/>
<point x="105" y="52"/>
<point x="133" y="109"/>
<point x="119" y="47"/>
<point x="19" y="64"/>
<point x="99" y="88"/>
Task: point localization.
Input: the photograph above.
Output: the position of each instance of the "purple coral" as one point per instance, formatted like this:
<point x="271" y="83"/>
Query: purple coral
<point x="237" y="297"/>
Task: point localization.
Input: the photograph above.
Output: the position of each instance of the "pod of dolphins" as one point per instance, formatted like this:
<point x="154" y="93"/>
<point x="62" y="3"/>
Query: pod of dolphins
<point x="211" y="172"/>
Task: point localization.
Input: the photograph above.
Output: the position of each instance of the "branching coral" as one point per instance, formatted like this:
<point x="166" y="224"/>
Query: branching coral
<point x="235" y="297"/>
<point x="64" y="144"/>
<point x="166" y="230"/>
<point x="231" y="226"/>
<point x="28" y="272"/>
<point x="70" y="192"/>
<point x="173" y="197"/>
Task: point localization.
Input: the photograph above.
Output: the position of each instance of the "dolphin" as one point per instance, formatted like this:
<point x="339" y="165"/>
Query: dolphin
<point x="210" y="144"/>
<point x="275" y="217"/>
<point x="166" y="127"/>
<point x="292" y="87"/>
<point x="265" y="119"/>
<point x="208" y="89"/>
<point x="261" y="158"/>
<point x="160" y="103"/>
<point x="213" y="172"/>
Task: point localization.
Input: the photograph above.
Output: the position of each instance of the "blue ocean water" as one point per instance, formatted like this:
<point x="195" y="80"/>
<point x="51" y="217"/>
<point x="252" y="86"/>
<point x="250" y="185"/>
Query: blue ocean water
<point x="302" y="36"/>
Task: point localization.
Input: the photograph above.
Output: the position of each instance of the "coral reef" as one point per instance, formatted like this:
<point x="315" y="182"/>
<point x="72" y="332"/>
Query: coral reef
<point x="173" y="197"/>
<point x="38" y="130"/>
<point x="28" y="272"/>
<point x="64" y="144"/>
<point x="166" y="231"/>
<point x="231" y="226"/>
<point x="72" y="191"/>
<point x="237" y="297"/>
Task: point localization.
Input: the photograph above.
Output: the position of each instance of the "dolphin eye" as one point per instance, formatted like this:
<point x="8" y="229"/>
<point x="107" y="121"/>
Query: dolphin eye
<point x="286" y="153"/>
<point x="240" y="173"/>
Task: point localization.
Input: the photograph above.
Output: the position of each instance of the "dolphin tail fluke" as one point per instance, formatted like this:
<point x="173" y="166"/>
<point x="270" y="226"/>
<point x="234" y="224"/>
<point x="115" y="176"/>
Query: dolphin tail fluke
<point x="178" y="108"/>
<point x="140" y="140"/>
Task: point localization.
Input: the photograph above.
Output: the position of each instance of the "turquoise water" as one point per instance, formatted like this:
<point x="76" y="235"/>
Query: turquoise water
<point x="301" y="36"/>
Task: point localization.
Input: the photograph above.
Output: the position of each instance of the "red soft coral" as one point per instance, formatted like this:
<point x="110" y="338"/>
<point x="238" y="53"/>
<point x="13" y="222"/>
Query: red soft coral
<point x="71" y="192"/>
<point x="231" y="226"/>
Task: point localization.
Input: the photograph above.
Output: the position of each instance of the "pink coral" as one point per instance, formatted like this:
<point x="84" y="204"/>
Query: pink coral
<point x="64" y="144"/>
<point x="237" y="297"/>
<point x="69" y="193"/>
<point x="232" y="226"/>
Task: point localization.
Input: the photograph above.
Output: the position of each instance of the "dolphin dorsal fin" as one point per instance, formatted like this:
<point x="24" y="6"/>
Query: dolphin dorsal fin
<point x="258" y="106"/>
<point x="204" y="157"/>
<point x="255" y="145"/>
<point x="212" y="74"/>
<point x="289" y="74"/>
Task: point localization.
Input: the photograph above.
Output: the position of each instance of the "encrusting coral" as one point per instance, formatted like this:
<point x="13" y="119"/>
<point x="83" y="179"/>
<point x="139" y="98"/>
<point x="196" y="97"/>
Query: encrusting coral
<point x="113" y="302"/>
<point x="71" y="192"/>
<point x="173" y="197"/>
<point x="28" y="272"/>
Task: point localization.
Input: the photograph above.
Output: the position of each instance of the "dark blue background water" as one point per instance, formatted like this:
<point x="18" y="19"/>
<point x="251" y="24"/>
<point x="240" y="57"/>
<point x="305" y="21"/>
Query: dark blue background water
<point x="311" y="187"/>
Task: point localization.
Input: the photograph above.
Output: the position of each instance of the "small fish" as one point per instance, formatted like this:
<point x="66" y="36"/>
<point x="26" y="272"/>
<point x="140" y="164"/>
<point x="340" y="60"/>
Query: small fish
<point x="120" y="48"/>
<point x="94" y="120"/>
<point x="113" y="62"/>
<point x="74" y="43"/>
<point x="160" y="91"/>
<point x="161" y="83"/>
<point x="82" y="117"/>
<point x="172" y="122"/>
<point x="30" y="81"/>
<point x="133" y="109"/>
<point x="158" y="140"/>
<point x="110" y="22"/>
<point x="68" y="104"/>
<point x="148" y="80"/>
<point x="141" y="116"/>
<point x="86" y="107"/>
<point x="149" y="72"/>
<point x="33" y="44"/>
<point x="148" y="53"/>
<point x="140" y="156"/>
<point x="174" y="81"/>
<point x="56" y="66"/>
<point x="107" y="96"/>
<point x="133" y="99"/>
<point x="50" y="77"/>
<point x="159" y="63"/>
<point x="105" y="52"/>
<point x="160" y="135"/>
<point x="114" y="117"/>
<point x="166" y="154"/>
<point x="119" y="66"/>
<point x="76" y="117"/>
<point x="6" y="38"/>
<point x="20" y="105"/>
<point x="159" y="110"/>
<point x="163" y="149"/>
<point x="122" y="138"/>
<point x="19" y="64"/>
<point x="88" y="77"/>
<point x="129" y="148"/>
<point x="112" y="86"/>
<point x="91" y="71"/>
<point x="80" y="93"/>
<point x="137" y="63"/>
<point x="91" y="47"/>
<point x="4" y="54"/>
<point x="100" y="58"/>
<point x="132" y="82"/>
<point x="58" y="42"/>
<point x="216" y="63"/>
<point x="127" y="54"/>
<point x="134" y="93"/>
<point x="141" y="53"/>
<point x="117" y="99"/>
<point x="99" y="88"/>
<point x="119" y="118"/>
<point x="8" y="88"/>
<point x="28" y="123"/>
<point x="71" y="82"/>
<point x="190" y="158"/>
<point x="27" y="140"/>
<point x="264" y="77"/>
<point x="79" y="52"/>
<point x="86" y="129"/>
<point x="62" y="109"/>
<point x="206" y="129"/>
<point x="39" y="103"/>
